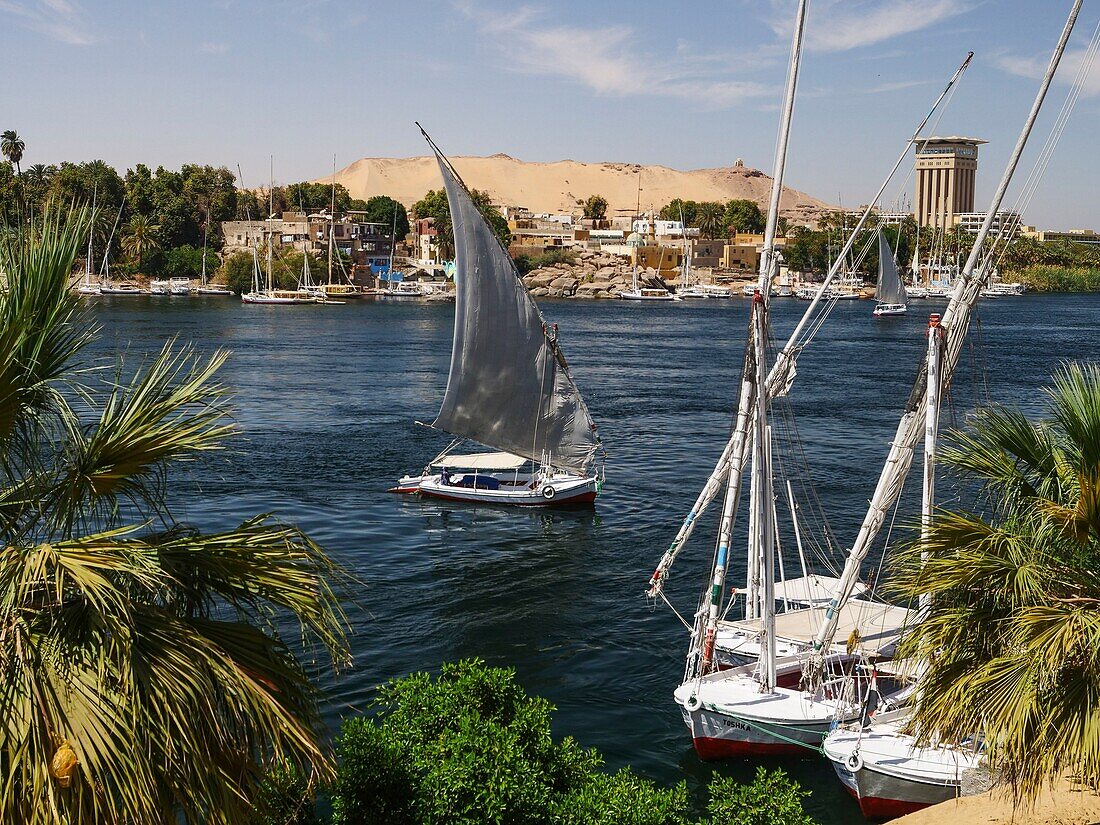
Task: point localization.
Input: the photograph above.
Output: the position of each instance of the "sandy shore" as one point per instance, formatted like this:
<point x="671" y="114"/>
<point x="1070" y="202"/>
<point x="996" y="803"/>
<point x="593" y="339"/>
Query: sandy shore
<point x="1066" y="804"/>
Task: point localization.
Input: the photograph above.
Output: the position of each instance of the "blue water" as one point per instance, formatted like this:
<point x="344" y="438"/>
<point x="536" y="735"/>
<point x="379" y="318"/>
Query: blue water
<point x="326" y="400"/>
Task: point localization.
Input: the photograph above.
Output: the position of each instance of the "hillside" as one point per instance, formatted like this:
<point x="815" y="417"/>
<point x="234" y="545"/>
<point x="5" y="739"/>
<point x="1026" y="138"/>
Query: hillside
<point x="556" y="187"/>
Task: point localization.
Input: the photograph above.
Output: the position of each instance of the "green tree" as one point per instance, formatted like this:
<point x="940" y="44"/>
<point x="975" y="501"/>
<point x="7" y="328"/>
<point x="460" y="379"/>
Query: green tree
<point x="236" y="272"/>
<point x="186" y="262"/>
<point x="381" y="209"/>
<point x="434" y="205"/>
<point x="1012" y="633"/>
<point x="743" y="216"/>
<point x="595" y="207"/>
<point x="76" y="183"/>
<point x="710" y="217"/>
<point x="471" y="746"/>
<point x="140" y="238"/>
<point x="12" y="147"/>
<point x="771" y="799"/>
<point x="144" y="677"/>
<point x="677" y="208"/>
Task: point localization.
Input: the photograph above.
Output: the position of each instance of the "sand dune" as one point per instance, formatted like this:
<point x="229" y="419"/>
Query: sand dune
<point x="556" y="187"/>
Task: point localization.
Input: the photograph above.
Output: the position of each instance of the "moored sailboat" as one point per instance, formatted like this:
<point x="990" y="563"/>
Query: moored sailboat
<point x="509" y="387"/>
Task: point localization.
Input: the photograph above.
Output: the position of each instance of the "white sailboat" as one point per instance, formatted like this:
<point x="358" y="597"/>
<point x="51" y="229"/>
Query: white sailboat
<point x="90" y="286"/>
<point x="876" y="758"/>
<point x="266" y="293"/>
<point x="205" y="287"/>
<point x="335" y="292"/>
<point x="890" y="297"/>
<point x="509" y="387"/>
<point x="750" y="710"/>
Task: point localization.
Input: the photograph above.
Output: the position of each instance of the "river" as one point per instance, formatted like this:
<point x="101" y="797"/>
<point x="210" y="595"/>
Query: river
<point x="326" y="400"/>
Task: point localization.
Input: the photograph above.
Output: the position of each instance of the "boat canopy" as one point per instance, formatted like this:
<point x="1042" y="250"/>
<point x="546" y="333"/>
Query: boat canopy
<point x="890" y="288"/>
<point x="509" y="386"/>
<point x="879" y="625"/>
<point x="811" y="590"/>
<point x="481" y="461"/>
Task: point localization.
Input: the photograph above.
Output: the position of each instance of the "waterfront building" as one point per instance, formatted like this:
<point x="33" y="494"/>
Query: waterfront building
<point x="972" y="222"/>
<point x="1084" y="236"/>
<point x="946" y="174"/>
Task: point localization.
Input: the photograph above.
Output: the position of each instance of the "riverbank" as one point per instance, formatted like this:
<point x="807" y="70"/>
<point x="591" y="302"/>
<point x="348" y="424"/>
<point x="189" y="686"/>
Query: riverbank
<point x="599" y="275"/>
<point x="1065" y="804"/>
<point x="1058" y="278"/>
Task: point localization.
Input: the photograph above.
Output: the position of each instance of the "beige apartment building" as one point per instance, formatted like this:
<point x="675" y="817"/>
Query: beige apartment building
<point x="946" y="172"/>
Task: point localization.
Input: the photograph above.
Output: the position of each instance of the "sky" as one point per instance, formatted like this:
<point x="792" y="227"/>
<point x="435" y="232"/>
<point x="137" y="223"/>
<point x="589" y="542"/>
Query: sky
<point x="683" y="84"/>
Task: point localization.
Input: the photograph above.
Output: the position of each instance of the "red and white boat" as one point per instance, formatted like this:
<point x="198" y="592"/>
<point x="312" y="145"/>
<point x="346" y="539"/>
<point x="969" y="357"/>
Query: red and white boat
<point x="891" y="775"/>
<point x="509" y="387"/>
<point x="500" y="478"/>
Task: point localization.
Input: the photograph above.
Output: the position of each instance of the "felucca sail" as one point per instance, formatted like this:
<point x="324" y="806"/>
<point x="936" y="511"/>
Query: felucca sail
<point x="509" y="386"/>
<point x="890" y="288"/>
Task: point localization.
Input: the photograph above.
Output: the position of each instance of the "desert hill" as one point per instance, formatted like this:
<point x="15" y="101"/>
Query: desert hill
<point x="556" y="187"/>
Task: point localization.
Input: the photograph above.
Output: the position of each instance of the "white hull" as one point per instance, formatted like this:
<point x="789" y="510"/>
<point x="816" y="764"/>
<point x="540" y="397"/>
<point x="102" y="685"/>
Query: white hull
<point x="629" y="295"/>
<point x="891" y="776"/>
<point x="729" y="716"/>
<point x="122" y="290"/>
<point x="254" y="298"/>
<point x="504" y="488"/>
<point x="884" y="310"/>
<point x="212" y="290"/>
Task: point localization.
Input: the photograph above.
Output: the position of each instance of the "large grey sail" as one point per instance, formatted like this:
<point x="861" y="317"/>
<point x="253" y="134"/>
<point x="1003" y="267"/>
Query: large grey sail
<point x="509" y="387"/>
<point x="890" y="288"/>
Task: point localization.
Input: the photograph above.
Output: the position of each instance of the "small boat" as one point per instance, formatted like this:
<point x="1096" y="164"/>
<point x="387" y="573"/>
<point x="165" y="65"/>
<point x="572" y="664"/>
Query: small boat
<point x="159" y="287"/>
<point x="648" y="294"/>
<point x="179" y="286"/>
<point x="509" y="387"/>
<point x="890" y="775"/>
<point x="109" y="288"/>
<point x="409" y="290"/>
<point x="890" y="296"/>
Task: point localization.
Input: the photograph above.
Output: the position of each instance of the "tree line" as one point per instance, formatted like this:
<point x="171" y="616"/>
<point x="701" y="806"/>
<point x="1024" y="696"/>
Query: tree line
<point x="161" y="218"/>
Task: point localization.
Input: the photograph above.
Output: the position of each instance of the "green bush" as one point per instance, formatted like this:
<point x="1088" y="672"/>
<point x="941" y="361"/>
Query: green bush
<point x="1060" y="278"/>
<point x="771" y="799"/>
<point x="470" y="746"/>
<point x="286" y="797"/>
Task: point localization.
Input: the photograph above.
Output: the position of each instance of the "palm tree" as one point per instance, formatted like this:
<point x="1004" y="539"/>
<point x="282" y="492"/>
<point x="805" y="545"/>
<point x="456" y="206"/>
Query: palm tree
<point x="709" y="216"/>
<point x="12" y="146"/>
<point x="1012" y="636"/>
<point x="144" y="676"/>
<point x="140" y="238"/>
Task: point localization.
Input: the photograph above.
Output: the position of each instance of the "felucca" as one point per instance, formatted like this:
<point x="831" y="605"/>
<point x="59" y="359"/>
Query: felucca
<point x="509" y="387"/>
<point x="750" y="710"/>
<point x="882" y="761"/>
<point x="890" y="298"/>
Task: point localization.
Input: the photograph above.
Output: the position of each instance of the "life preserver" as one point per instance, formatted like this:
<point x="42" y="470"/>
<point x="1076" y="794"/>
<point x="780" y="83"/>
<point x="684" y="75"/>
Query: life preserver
<point x="548" y="492"/>
<point x="692" y="703"/>
<point x="854" y="763"/>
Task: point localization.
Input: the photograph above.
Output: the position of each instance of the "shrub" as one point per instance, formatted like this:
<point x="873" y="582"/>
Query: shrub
<point x="470" y="746"/>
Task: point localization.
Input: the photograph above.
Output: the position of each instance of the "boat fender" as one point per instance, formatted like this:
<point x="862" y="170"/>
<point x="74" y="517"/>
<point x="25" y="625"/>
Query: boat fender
<point x="854" y="763"/>
<point x="548" y="492"/>
<point x="692" y="703"/>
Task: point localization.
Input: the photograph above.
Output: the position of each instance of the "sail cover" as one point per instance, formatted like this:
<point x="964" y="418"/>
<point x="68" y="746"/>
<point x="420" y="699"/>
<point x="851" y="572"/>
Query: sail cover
<point x="509" y="387"/>
<point x="890" y="288"/>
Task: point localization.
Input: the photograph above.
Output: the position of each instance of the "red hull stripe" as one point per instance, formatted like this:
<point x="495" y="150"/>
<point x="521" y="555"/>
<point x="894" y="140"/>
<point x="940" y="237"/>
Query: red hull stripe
<point x="710" y="749"/>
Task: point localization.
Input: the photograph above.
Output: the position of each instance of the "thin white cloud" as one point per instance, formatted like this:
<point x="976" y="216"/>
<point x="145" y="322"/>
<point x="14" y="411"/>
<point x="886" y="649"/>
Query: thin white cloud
<point x="1073" y="63"/>
<point x="61" y="20"/>
<point x="842" y="25"/>
<point x="607" y="59"/>
<point x="884" y="88"/>
<point x="214" y="48"/>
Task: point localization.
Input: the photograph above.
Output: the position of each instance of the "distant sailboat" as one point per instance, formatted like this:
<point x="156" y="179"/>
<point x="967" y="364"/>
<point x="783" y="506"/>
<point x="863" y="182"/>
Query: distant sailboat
<point x="509" y="386"/>
<point x="204" y="287"/>
<point x="90" y="286"/>
<point x="890" y="297"/>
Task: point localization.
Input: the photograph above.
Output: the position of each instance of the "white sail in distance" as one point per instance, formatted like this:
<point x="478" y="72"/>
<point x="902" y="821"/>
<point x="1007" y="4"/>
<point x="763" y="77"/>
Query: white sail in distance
<point x="509" y="386"/>
<point x="890" y="288"/>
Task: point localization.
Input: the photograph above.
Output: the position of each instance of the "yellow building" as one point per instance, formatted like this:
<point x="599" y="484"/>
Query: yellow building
<point x="665" y="259"/>
<point x="946" y="173"/>
<point x="745" y="251"/>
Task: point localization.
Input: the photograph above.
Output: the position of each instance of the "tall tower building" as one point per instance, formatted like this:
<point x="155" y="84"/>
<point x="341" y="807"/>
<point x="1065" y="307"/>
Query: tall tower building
<point x="946" y="171"/>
